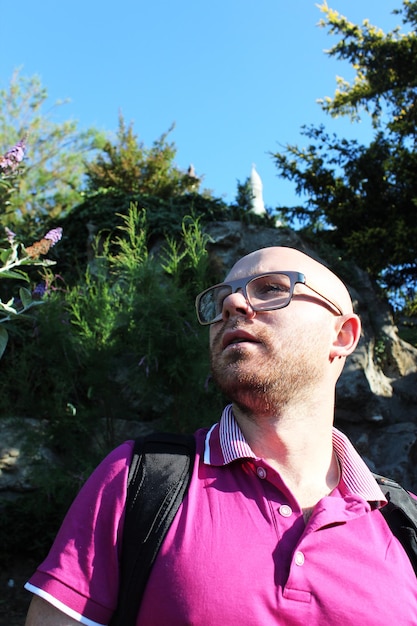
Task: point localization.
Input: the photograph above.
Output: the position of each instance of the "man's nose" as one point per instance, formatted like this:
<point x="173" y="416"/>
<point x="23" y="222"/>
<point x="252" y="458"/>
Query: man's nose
<point x="236" y="304"/>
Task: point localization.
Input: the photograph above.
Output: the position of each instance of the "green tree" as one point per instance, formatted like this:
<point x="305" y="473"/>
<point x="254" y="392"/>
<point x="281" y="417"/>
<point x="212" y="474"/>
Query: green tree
<point x="51" y="180"/>
<point x="128" y="166"/>
<point x="362" y="199"/>
<point x="385" y="82"/>
<point x="124" y="172"/>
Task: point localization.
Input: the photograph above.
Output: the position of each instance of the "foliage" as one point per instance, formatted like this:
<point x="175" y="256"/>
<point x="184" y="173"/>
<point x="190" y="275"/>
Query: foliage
<point x="123" y="343"/>
<point x="102" y="213"/>
<point x="16" y="260"/>
<point x="163" y="195"/>
<point x="360" y="198"/>
<point x="406" y="319"/>
<point x="385" y="79"/>
<point x="15" y="256"/>
<point x="126" y="341"/>
<point x="51" y="181"/>
<point x="130" y="168"/>
<point x="137" y="312"/>
<point x="411" y="306"/>
<point x="363" y="198"/>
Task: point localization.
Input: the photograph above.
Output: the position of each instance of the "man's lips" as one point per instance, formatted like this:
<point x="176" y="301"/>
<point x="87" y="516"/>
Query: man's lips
<point x="233" y="337"/>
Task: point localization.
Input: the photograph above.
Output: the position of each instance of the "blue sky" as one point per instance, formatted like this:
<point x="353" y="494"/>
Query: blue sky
<point x="237" y="77"/>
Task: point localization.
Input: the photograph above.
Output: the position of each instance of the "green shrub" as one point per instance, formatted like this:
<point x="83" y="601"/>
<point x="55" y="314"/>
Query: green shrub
<point x="123" y="343"/>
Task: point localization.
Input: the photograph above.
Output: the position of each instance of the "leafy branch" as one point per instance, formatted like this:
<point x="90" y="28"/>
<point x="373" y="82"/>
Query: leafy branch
<point x="17" y="255"/>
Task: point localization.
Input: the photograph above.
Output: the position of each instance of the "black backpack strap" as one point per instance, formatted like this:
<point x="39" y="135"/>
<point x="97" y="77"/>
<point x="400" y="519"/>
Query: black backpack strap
<point x="159" y="476"/>
<point x="401" y="515"/>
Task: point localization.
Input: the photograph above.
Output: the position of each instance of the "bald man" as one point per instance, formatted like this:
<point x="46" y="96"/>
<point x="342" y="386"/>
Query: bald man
<point x="281" y="523"/>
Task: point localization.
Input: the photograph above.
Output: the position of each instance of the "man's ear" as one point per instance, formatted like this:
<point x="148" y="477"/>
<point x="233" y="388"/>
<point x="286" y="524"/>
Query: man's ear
<point x="348" y="332"/>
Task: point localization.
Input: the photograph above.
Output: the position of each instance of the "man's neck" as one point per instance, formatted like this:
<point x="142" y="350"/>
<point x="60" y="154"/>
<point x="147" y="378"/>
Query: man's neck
<point x="298" y="445"/>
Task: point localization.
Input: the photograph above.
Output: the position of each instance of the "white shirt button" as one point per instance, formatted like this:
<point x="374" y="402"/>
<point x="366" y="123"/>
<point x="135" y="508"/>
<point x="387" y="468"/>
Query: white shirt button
<point x="261" y="471"/>
<point x="299" y="558"/>
<point x="285" y="510"/>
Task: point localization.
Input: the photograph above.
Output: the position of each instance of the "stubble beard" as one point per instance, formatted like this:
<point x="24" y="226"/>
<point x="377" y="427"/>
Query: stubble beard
<point x="266" y="383"/>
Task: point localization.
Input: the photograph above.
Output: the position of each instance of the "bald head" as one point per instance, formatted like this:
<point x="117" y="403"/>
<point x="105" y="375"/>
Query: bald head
<point x="282" y="258"/>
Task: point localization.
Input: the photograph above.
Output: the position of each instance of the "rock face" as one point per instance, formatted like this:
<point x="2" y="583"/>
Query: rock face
<point x="18" y="455"/>
<point x="376" y="397"/>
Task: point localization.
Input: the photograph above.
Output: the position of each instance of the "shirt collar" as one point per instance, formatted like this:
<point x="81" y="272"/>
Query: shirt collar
<point x="226" y="443"/>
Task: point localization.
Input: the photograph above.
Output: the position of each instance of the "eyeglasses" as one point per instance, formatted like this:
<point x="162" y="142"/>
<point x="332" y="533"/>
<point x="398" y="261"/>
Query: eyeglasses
<point x="263" y="292"/>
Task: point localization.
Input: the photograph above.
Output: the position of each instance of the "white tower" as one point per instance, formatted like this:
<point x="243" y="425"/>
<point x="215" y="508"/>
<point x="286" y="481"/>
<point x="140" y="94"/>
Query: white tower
<point x="257" y="202"/>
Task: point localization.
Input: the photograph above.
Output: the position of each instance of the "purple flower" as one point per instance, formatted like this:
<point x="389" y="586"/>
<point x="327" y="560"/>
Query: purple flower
<point x="54" y="235"/>
<point x="10" y="235"/>
<point x="39" y="290"/>
<point x="10" y="161"/>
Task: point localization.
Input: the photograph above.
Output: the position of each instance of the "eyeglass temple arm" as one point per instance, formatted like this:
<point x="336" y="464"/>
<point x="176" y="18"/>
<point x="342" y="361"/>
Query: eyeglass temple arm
<point x="332" y="302"/>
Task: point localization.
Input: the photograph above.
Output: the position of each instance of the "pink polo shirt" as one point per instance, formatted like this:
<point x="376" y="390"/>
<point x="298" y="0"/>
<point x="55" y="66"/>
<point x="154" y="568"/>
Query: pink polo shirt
<point x="238" y="551"/>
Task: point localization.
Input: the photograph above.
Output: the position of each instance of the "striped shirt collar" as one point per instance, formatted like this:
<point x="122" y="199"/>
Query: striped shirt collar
<point x="226" y="443"/>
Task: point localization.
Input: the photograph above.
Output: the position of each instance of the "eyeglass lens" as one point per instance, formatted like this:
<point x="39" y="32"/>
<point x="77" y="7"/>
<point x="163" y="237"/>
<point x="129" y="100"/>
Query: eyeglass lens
<point x="263" y="293"/>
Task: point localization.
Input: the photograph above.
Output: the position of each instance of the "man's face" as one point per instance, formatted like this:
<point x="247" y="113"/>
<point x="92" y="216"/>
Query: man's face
<point x="265" y="359"/>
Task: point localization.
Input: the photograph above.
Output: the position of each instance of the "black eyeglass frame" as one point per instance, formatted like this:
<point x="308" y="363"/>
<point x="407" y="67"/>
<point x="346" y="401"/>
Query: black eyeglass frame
<point x="242" y="283"/>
